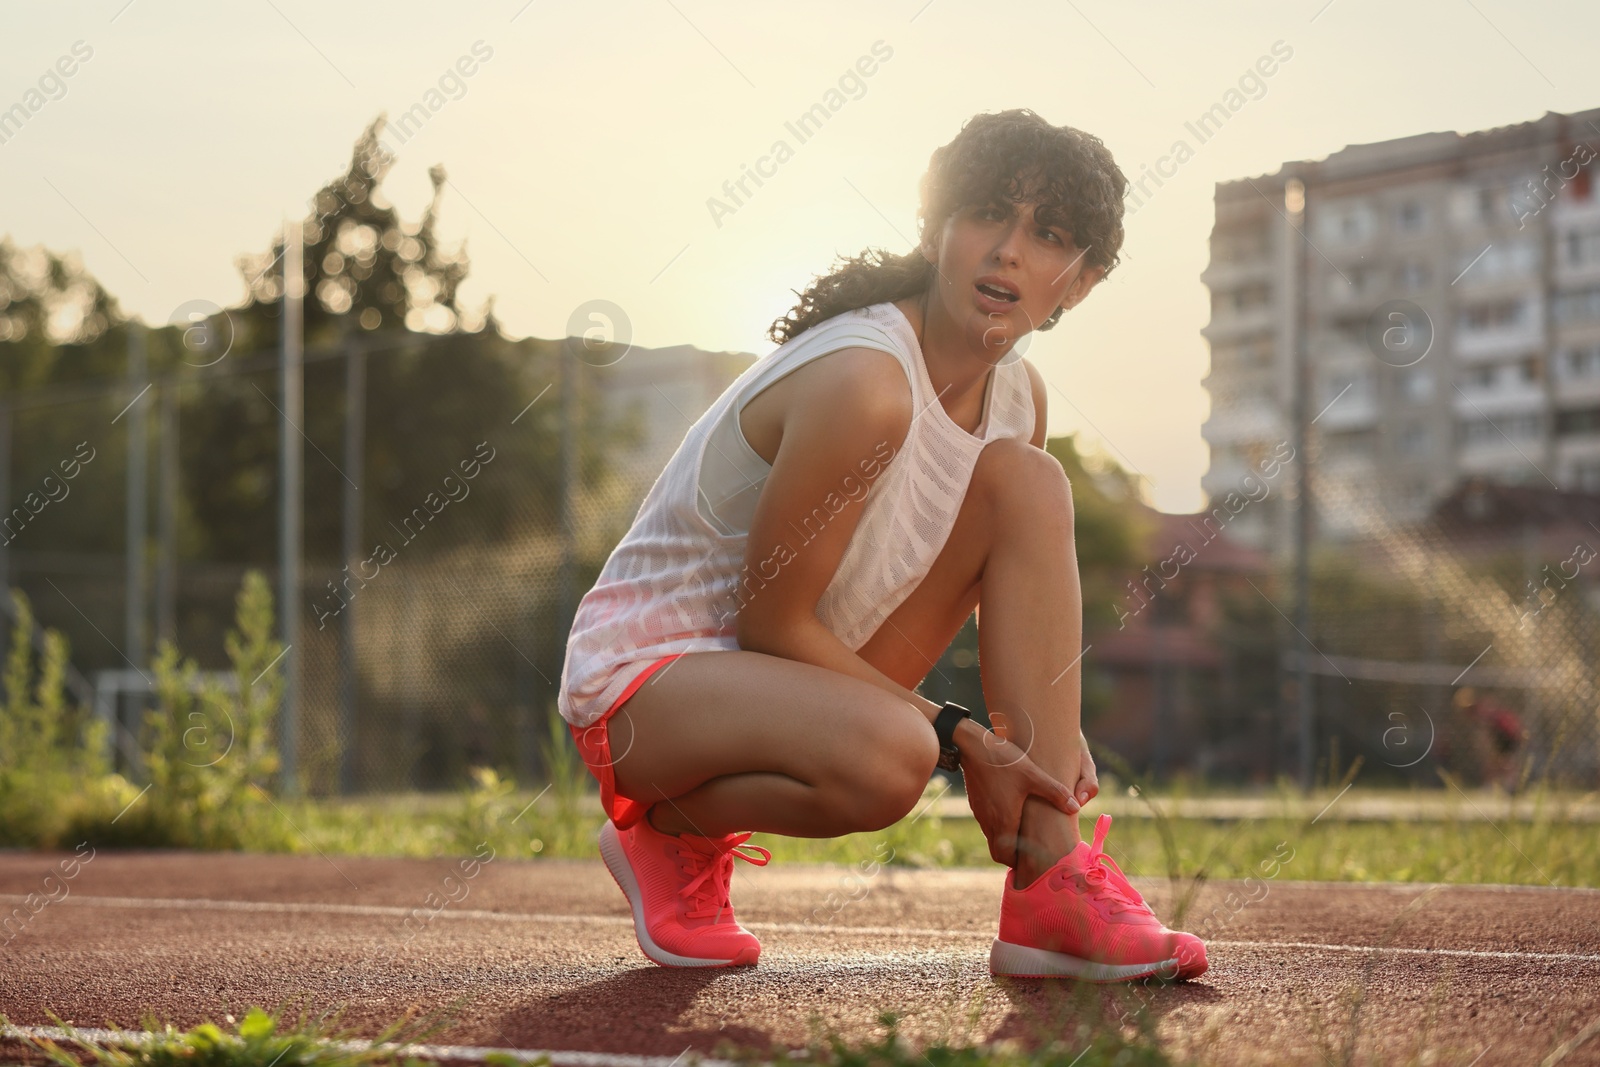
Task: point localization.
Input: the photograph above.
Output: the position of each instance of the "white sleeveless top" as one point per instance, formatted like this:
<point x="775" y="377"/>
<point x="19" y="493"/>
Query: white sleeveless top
<point x="677" y="579"/>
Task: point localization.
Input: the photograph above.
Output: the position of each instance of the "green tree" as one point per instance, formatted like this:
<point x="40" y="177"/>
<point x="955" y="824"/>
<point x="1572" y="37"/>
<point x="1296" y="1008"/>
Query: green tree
<point x="48" y="301"/>
<point x="361" y="258"/>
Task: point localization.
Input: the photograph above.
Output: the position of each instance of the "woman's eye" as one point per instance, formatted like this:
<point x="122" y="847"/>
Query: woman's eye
<point x="1050" y="234"/>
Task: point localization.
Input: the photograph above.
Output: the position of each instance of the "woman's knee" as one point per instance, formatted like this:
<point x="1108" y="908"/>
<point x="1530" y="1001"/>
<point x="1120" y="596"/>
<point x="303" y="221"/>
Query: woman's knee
<point x="1014" y="475"/>
<point x="891" y="757"/>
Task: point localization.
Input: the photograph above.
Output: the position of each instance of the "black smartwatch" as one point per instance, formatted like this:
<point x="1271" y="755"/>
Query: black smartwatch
<point x="944" y="725"/>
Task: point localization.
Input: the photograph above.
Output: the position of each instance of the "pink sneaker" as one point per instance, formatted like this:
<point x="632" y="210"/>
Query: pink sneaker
<point x="678" y="888"/>
<point x="1082" y="919"/>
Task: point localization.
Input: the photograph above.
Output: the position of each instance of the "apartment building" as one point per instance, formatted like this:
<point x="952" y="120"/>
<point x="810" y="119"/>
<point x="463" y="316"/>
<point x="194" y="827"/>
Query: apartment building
<point x="1446" y="288"/>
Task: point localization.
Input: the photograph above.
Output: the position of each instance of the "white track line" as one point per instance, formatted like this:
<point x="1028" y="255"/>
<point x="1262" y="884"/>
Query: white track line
<point x="467" y="1053"/>
<point x="307" y="908"/>
<point x="1477" y="954"/>
<point x="379" y="911"/>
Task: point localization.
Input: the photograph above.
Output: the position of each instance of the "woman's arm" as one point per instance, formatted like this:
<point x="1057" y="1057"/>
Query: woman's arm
<point x="847" y="410"/>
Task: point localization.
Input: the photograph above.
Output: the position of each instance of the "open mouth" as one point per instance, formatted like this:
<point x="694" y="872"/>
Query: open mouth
<point x="995" y="292"/>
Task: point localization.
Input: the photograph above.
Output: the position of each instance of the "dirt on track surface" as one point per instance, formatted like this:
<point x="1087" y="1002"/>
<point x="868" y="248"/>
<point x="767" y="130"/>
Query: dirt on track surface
<point x="545" y="955"/>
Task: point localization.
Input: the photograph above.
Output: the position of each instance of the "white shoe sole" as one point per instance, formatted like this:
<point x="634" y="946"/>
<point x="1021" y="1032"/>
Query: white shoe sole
<point x="1019" y="961"/>
<point x="622" y="872"/>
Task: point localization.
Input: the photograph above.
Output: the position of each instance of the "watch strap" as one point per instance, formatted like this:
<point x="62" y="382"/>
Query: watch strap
<point x="944" y="726"/>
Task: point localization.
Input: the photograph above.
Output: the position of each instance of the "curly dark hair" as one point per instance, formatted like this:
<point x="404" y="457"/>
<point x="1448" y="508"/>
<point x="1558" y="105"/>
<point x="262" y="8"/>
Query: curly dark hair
<point x="1070" y="172"/>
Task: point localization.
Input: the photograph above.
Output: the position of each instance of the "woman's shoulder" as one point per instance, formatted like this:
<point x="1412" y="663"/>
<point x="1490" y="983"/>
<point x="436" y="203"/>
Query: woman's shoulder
<point x="882" y="326"/>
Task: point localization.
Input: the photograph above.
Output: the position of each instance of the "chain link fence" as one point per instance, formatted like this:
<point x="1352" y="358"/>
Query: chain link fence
<point x="431" y="634"/>
<point x="451" y="525"/>
<point x="1437" y="647"/>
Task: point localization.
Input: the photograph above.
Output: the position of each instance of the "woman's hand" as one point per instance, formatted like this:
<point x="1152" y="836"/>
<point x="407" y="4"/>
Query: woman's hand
<point x="1000" y="777"/>
<point x="1088" y="786"/>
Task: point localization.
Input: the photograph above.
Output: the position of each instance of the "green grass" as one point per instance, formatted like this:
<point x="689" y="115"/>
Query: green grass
<point x="561" y="822"/>
<point x="1542" y="851"/>
<point x="1078" y="1026"/>
<point x="267" y="1039"/>
<point x="1529" y="854"/>
<point x="260" y="1039"/>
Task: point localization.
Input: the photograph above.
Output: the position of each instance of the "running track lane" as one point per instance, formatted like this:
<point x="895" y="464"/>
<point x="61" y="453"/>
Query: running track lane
<point x="544" y="953"/>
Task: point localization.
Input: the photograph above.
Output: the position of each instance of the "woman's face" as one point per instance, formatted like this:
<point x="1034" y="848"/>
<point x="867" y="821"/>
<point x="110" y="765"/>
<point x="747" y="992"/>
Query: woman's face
<point x="1004" y="246"/>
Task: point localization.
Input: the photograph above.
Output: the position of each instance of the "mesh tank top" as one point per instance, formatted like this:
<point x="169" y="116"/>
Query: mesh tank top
<point x="676" y="580"/>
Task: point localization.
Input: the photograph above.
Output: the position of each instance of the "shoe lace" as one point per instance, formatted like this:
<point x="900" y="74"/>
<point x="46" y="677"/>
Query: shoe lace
<point x="708" y="864"/>
<point x="1102" y="875"/>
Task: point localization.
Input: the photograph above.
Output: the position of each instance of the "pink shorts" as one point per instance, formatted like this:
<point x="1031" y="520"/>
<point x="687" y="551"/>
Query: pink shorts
<point x="594" y="745"/>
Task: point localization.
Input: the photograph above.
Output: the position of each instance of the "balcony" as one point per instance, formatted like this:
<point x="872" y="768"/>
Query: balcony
<point x="1499" y="328"/>
<point x="1502" y="398"/>
<point x="1353" y="411"/>
<point x="1236" y="273"/>
<point x="1232" y="325"/>
<point x="1244" y="423"/>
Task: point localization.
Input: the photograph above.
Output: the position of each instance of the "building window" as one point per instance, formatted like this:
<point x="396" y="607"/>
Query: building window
<point x="1409" y="217"/>
<point x="1348" y="447"/>
<point x="1583" y="247"/>
<point x="1346" y="222"/>
<point x="1582" y="422"/>
<point x="1579" y="364"/>
<point x="1580" y="306"/>
<point x="1585" y="476"/>
<point x="1415" y="440"/>
<point x="1495" y="315"/>
<point x="1238" y="247"/>
<point x="1239" y="300"/>
<point x="1250" y="354"/>
<point x="1352" y="281"/>
<point x="1493" y="205"/>
<point x="1347" y="386"/>
<point x="1417" y="386"/>
<point x="1411" y="276"/>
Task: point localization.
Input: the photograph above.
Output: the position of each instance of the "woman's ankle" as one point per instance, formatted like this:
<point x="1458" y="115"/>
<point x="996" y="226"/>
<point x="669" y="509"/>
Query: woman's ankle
<point x="1044" y="835"/>
<point x="1032" y="864"/>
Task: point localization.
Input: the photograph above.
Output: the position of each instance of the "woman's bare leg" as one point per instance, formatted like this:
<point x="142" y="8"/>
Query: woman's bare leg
<point x="745" y="741"/>
<point x="1030" y="636"/>
<point x="736" y="740"/>
<point x="1012" y="554"/>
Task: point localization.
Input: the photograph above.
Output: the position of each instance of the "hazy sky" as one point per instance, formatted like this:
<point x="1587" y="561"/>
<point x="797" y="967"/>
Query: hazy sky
<point x="582" y="152"/>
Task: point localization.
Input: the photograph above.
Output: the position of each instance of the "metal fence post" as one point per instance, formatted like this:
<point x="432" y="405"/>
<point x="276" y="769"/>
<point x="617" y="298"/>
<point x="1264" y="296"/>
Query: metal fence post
<point x="134" y="518"/>
<point x="167" y="516"/>
<point x="291" y="403"/>
<point x="134" y="513"/>
<point x="569" y="482"/>
<point x="355" y="423"/>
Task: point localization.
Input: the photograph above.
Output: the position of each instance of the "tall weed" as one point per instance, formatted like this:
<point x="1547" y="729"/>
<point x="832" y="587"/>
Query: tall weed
<point x="52" y="762"/>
